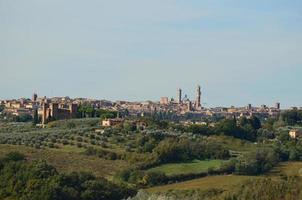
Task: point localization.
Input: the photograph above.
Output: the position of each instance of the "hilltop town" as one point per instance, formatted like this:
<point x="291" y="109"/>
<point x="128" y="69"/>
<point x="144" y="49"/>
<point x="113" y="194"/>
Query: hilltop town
<point x="180" y="108"/>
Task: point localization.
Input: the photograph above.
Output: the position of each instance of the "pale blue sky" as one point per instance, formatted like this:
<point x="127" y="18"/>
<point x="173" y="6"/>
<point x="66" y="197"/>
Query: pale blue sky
<point x="238" y="51"/>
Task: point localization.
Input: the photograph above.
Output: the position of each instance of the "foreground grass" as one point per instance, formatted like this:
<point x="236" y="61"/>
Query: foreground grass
<point x="197" y="166"/>
<point x="230" y="182"/>
<point x="68" y="159"/>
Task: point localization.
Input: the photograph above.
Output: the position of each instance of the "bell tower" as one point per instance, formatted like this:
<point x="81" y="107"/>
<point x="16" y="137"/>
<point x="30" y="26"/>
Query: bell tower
<point x="198" y="98"/>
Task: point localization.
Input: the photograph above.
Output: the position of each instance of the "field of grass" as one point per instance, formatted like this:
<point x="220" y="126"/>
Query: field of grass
<point x="233" y="144"/>
<point x="224" y="182"/>
<point x="197" y="166"/>
<point x="68" y="159"/>
<point x="287" y="168"/>
<point x="229" y="182"/>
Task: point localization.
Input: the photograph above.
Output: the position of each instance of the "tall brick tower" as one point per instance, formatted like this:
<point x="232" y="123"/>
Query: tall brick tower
<point x="198" y="98"/>
<point x="179" y="96"/>
<point x="34" y="98"/>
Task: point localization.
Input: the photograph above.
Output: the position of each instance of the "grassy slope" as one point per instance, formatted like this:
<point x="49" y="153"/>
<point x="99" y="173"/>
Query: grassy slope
<point x="287" y="168"/>
<point x="186" y="168"/>
<point x="69" y="158"/>
<point x="227" y="182"/>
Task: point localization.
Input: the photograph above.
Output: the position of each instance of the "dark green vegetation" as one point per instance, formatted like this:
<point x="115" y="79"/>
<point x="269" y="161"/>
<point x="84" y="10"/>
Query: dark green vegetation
<point x="89" y="111"/>
<point x="38" y="180"/>
<point x="209" y="161"/>
<point x="292" y="117"/>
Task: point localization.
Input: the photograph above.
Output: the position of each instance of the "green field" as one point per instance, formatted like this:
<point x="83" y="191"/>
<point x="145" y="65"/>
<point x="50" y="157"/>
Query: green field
<point x="229" y="182"/>
<point x="197" y="166"/>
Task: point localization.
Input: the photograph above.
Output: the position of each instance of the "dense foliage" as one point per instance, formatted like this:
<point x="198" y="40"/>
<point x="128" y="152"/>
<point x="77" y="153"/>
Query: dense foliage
<point x="257" y="162"/>
<point x="243" y="128"/>
<point x="23" y="180"/>
<point x="292" y="117"/>
<point x="89" y="111"/>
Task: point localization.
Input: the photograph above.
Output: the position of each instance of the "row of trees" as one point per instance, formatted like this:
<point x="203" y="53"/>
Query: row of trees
<point x="256" y="162"/>
<point x="8" y="117"/>
<point x="243" y="128"/>
<point x="89" y="111"/>
<point x="182" y="150"/>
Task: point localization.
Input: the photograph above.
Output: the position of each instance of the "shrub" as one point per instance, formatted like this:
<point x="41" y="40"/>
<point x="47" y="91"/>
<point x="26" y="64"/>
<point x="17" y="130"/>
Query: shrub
<point x="65" y="142"/>
<point x="258" y="162"/>
<point x="79" y="139"/>
<point x="51" y="145"/>
<point x="13" y="156"/>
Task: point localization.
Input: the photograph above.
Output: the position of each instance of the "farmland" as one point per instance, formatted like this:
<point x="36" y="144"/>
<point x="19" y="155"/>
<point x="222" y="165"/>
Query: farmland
<point x="163" y="159"/>
<point x="196" y="166"/>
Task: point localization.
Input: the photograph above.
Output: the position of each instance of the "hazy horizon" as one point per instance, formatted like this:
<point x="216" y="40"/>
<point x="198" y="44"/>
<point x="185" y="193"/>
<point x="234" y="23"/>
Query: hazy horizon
<point x="240" y="52"/>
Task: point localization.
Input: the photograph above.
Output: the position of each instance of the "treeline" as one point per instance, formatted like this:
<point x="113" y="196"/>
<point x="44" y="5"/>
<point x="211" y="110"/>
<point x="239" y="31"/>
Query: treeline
<point x="177" y="149"/>
<point x="256" y="162"/>
<point x="288" y="149"/>
<point x="183" y="150"/>
<point x="143" y="178"/>
<point x="88" y="111"/>
<point x="37" y="180"/>
<point x="263" y="159"/>
<point x="244" y="128"/>
<point x="8" y="117"/>
<point x="292" y="117"/>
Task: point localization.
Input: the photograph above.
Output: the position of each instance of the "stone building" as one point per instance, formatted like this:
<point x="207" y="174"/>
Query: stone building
<point x="112" y="122"/>
<point x="164" y="101"/>
<point x="55" y="111"/>
<point x="295" y="133"/>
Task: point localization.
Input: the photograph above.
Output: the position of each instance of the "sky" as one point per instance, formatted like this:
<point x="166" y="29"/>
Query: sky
<point x="238" y="51"/>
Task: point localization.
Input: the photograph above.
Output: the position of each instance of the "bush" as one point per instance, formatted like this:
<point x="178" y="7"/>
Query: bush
<point x="65" y="142"/>
<point x="51" y="145"/>
<point x="79" y="139"/>
<point x="13" y="156"/>
<point x="258" y="162"/>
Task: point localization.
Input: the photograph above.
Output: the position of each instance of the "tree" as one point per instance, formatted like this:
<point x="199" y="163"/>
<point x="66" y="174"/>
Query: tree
<point x="255" y="122"/>
<point x="35" y="117"/>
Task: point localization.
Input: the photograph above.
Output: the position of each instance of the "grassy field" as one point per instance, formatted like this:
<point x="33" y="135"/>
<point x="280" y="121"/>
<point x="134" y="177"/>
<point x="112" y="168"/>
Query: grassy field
<point x="196" y="166"/>
<point x="68" y="158"/>
<point x="233" y="144"/>
<point x="225" y="182"/>
<point x="287" y="168"/>
<point x="228" y="182"/>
